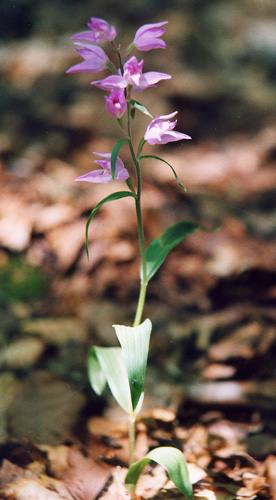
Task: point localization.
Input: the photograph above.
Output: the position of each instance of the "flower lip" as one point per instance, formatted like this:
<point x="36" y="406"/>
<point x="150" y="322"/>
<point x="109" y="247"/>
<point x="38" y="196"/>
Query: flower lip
<point x="116" y="103"/>
<point x="133" y="71"/>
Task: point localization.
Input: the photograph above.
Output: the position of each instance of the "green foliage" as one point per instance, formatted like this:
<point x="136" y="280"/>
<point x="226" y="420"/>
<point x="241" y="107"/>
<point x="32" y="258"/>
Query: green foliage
<point x="21" y="282"/>
<point x="140" y="106"/>
<point x="106" y="364"/>
<point x="172" y="460"/>
<point x="114" y="155"/>
<point x="164" y="161"/>
<point x="159" y="248"/>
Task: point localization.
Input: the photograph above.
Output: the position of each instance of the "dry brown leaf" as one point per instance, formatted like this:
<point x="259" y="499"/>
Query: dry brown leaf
<point x="31" y="489"/>
<point x="67" y="242"/>
<point x="57" y="459"/>
<point x="84" y="477"/>
<point x="115" y="488"/>
<point x="100" y="426"/>
<point x="270" y="469"/>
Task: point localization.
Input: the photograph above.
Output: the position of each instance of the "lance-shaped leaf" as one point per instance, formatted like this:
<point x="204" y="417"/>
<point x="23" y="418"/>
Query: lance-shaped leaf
<point x="114" y="155"/>
<point x="96" y="375"/>
<point x="159" y="248"/>
<point x="140" y="106"/>
<point x="106" y="364"/>
<point x="164" y="161"/>
<point x="110" y="197"/>
<point x="135" y="347"/>
<point x="172" y="460"/>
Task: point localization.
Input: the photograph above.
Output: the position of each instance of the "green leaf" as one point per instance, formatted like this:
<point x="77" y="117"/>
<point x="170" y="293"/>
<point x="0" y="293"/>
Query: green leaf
<point x="159" y="248"/>
<point x="172" y="460"/>
<point x="139" y="106"/>
<point x="135" y="347"/>
<point x="164" y="161"/>
<point x="96" y="376"/>
<point x="120" y="122"/>
<point x="114" y="155"/>
<point x="110" y="366"/>
<point x="110" y="197"/>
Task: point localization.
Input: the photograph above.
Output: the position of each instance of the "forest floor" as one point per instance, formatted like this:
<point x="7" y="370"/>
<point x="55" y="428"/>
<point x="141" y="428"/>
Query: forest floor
<point x="211" y="381"/>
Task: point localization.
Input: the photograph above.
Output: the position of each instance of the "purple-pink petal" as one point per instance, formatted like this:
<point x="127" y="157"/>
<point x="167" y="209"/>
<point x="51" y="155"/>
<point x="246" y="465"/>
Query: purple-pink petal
<point x="167" y="137"/>
<point x="103" y="175"/>
<point x="133" y="71"/>
<point x="149" y="79"/>
<point x="160" y="130"/>
<point x="96" y="176"/>
<point x="113" y="82"/>
<point x="147" y="37"/>
<point x="87" y="36"/>
<point x="122" y="175"/>
<point x="116" y="103"/>
<point x="85" y="67"/>
<point x="146" y="27"/>
<point x="100" y="32"/>
<point x="95" y="59"/>
<point x="163" y="118"/>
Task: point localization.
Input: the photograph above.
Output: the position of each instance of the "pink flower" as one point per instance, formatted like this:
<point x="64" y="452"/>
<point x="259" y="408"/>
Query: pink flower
<point x="160" y="131"/>
<point x="116" y="103"/>
<point x="100" y="32"/>
<point x="132" y="76"/>
<point x="116" y="82"/>
<point x="133" y="71"/>
<point x="104" y="174"/>
<point x="95" y="59"/>
<point x="146" y="37"/>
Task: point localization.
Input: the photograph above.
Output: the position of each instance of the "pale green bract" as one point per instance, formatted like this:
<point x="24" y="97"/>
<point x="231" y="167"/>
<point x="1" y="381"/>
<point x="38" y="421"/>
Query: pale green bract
<point x="135" y="347"/>
<point x="122" y="368"/>
<point x="111" y="369"/>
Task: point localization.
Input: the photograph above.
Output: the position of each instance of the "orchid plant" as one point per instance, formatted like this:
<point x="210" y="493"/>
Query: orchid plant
<point x="123" y="368"/>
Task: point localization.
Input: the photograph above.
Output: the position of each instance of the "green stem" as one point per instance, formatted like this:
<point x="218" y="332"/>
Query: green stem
<point x="140" y="305"/>
<point x="144" y="281"/>
<point x="117" y="50"/>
